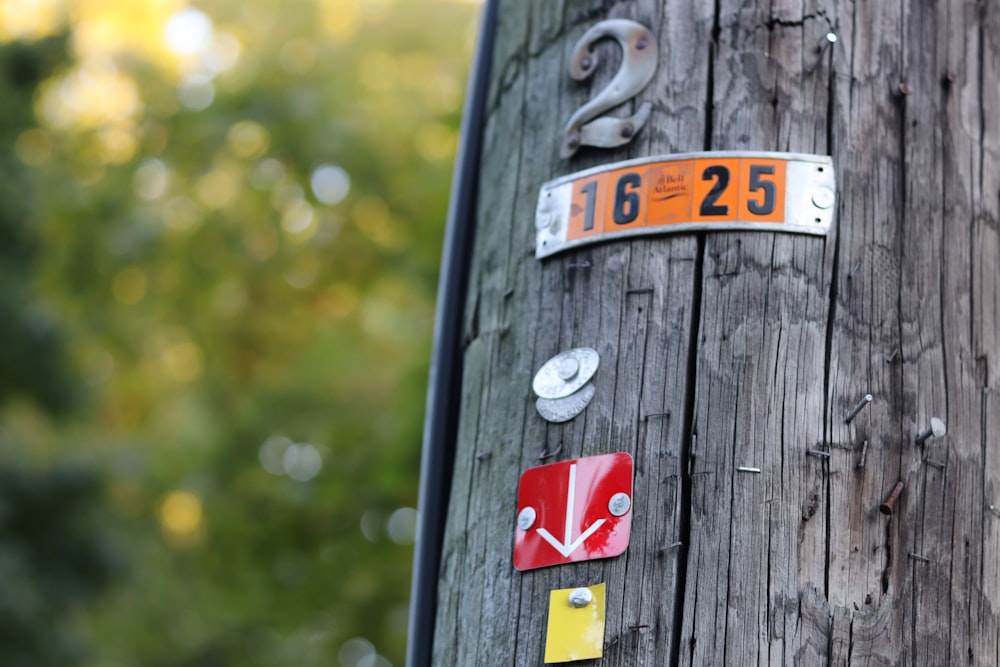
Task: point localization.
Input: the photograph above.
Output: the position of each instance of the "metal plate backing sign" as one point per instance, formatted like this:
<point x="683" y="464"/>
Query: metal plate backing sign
<point x="716" y="191"/>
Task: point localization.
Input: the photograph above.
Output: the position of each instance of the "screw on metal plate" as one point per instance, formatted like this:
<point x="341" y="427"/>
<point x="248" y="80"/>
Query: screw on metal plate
<point x="936" y="429"/>
<point x="565" y="373"/>
<point x="619" y="504"/>
<point x="526" y="519"/>
<point x="580" y="597"/>
<point x="559" y="410"/>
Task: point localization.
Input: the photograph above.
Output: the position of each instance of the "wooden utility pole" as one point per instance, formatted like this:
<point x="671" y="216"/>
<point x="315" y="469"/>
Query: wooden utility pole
<point x="745" y="349"/>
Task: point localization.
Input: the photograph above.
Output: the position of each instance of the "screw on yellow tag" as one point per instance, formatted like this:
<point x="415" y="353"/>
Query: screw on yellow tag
<point x="576" y="624"/>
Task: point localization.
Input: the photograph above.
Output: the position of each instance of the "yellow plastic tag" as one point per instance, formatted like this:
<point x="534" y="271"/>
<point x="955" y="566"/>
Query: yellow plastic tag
<point x="575" y="632"/>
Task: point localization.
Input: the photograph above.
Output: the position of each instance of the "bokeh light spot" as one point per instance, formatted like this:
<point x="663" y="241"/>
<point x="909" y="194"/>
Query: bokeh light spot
<point x="217" y="188"/>
<point x="401" y="526"/>
<point x="357" y="652"/>
<point x="196" y="92"/>
<point x="188" y="31"/>
<point x="299" y="220"/>
<point x="248" y="139"/>
<point x="181" y="513"/>
<point x="302" y="462"/>
<point x="150" y="179"/>
<point x="330" y="183"/>
<point x="272" y="454"/>
<point x="183" y="361"/>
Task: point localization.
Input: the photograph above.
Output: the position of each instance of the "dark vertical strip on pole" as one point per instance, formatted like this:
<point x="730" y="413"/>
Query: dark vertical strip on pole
<point x="445" y="383"/>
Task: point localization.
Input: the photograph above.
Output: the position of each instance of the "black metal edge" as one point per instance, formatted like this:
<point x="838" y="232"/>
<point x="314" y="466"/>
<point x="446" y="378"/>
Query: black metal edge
<point x="445" y="382"/>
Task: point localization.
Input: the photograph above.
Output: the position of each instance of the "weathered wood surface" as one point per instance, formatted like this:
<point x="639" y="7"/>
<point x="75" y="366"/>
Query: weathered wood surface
<point x="756" y="344"/>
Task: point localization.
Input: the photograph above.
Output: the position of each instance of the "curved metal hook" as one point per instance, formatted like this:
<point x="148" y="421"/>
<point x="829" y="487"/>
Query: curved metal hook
<point x="639" y="61"/>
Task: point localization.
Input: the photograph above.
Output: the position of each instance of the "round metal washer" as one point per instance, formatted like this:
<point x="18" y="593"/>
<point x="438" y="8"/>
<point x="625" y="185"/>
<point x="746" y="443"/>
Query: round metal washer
<point x="555" y="378"/>
<point x="560" y="410"/>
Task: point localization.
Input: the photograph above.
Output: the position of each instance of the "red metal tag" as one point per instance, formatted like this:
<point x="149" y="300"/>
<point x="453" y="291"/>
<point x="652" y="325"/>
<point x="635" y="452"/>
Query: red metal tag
<point x="574" y="510"/>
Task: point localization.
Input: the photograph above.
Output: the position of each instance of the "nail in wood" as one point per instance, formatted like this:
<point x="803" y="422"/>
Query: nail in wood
<point x="748" y="469"/>
<point x="638" y="290"/>
<point x="994" y="510"/>
<point x="936" y="429"/>
<point x="657" y="414"/>
<point x="816" y="452"/>
<point x="890" y="501"/>
<point x="858" y="408"/>
<point x="864" y="454"/>
<point x="579" y="265"/>
<point x="671" y="547"/>
<point x="935" y="464"/>
<point x="919" y="557"/>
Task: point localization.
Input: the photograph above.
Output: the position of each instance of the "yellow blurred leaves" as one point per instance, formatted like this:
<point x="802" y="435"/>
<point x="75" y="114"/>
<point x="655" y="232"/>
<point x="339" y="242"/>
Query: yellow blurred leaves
<point x="94" y="95"/>
<point x="29" y="19"/>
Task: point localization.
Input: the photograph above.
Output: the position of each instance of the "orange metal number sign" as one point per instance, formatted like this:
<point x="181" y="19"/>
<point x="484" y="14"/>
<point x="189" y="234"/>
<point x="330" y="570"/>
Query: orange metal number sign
<point x="715" y="191"/>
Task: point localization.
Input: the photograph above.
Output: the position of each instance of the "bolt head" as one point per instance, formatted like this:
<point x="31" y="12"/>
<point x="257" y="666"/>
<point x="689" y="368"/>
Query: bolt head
<point x="619" y="504"/>
<point x="567" y="368"/>
<point x="526" y="519"/>
<point x="580" y="597"/>
<point x="823" y="197"/>
<point x="831" y="37"/>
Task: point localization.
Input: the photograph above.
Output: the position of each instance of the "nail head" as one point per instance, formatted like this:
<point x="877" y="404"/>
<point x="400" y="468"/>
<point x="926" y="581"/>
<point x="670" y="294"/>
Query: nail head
<point x="526" y="519"/>
<point x="580" y="597"/>
<point x="619" y="504"/>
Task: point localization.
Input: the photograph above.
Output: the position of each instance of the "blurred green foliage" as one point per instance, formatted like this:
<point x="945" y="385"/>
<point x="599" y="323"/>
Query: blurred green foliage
<point x="219" y="239"/>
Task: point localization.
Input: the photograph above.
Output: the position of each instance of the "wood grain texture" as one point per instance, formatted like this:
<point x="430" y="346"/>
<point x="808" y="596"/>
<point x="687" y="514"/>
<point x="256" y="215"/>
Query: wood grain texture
<point x="749" y="348"/>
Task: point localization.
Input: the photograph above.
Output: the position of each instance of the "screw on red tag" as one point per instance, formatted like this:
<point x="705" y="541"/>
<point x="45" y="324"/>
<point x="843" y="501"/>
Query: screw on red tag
<point x="574" y="510"/>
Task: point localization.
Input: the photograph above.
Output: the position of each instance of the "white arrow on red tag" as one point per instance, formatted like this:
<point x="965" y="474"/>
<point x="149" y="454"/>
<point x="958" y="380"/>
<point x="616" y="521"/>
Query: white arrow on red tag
<point x="588" y="500"/>
<point x="566" y="547"/>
